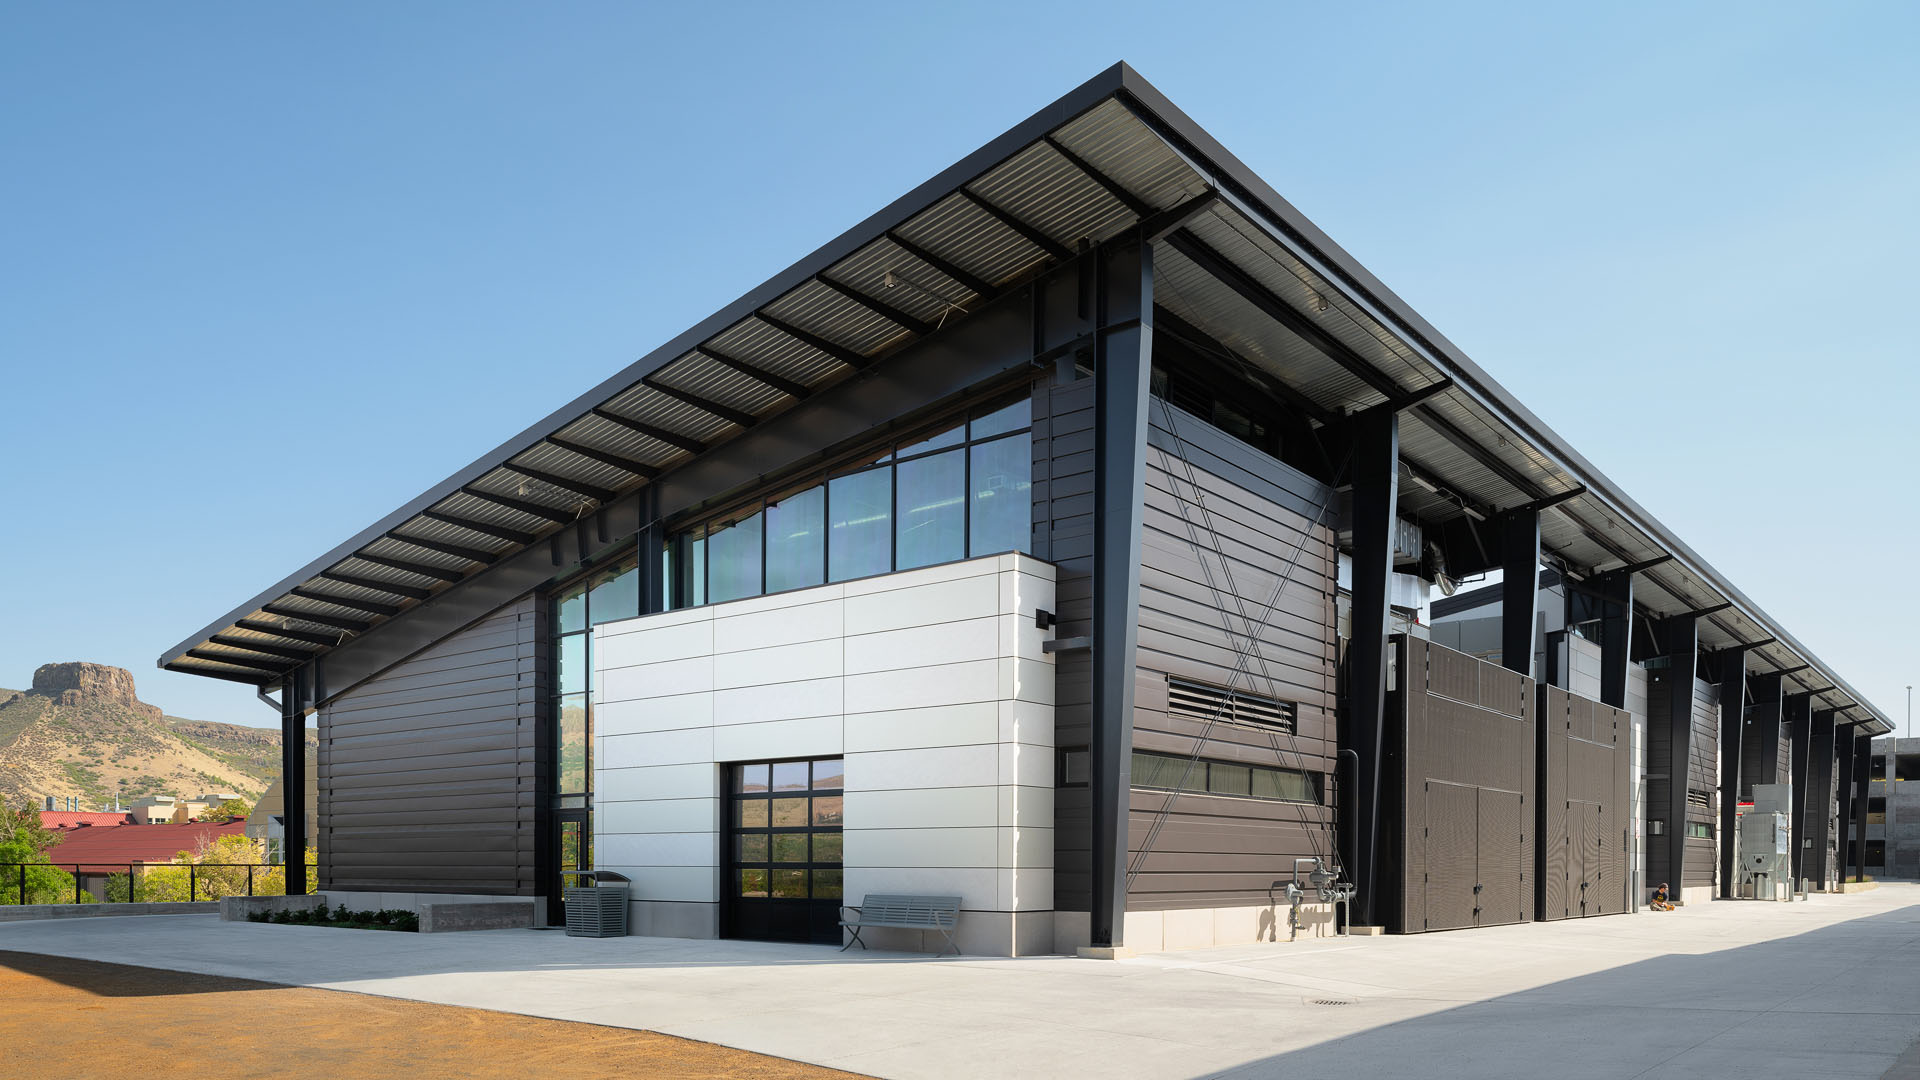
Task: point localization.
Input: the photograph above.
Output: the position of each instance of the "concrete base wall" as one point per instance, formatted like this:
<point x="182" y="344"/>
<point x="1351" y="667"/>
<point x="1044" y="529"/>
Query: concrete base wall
<point x="237" y="908"/>
<point x="23" y="913"/>
<point x="438" y="918"/>
<point x="672" y="918"/>
<point x="1204" y="928"/>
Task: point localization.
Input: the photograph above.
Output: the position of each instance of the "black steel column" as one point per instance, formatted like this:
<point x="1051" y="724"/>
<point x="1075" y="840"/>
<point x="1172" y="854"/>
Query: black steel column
<point x="1862" y="791"/>
<point x="1761" y="733"/>
<point x="1733" y="710"/>
<point x="1376" y="491"/>
<point x="1843" y="795"/>
<point x="293" y="784"/>
<point x="1820" y="795"/>
<point x="1616" y="637"/>
<point x="1680" y="638"/>
<point x="1799" y="729"/>
<point x="1519" y="588"/>
<point x="1123" y="371"/>
<point x="649" y="546"/>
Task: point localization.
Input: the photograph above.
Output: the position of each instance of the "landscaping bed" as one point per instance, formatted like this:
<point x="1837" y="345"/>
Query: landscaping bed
<point x="385" y="919"/>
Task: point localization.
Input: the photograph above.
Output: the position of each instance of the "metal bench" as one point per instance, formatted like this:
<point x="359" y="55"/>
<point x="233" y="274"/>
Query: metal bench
<point x="940" y="913"/>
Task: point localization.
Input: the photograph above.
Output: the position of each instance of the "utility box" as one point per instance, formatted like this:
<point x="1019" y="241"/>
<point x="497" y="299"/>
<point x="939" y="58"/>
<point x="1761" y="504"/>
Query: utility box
<point x="1766" y="844"/>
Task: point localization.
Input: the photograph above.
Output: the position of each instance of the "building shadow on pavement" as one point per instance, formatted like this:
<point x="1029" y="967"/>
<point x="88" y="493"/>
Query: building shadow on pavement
<point x="1832" y="1002"/>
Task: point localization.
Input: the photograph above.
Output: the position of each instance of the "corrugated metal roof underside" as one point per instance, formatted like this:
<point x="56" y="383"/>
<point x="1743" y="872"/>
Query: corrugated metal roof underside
<point x="946" y="257"/>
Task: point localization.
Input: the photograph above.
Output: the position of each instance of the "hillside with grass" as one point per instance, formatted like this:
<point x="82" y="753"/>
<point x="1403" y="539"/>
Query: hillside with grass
<point x="81" y="730"/>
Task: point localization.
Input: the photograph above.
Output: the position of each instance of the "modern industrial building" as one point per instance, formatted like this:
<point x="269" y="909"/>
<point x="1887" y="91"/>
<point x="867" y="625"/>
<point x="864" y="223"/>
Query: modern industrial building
<point x="1893" y="809"/>
<point x="1059" y="538"/>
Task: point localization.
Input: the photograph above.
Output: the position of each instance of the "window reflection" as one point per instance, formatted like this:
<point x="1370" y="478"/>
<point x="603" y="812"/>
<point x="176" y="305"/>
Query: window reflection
<point x="733" y="567"/>
<point x="797" y="540"/>
<point x="964" y="490"/>
<point x="862" y="525"/>
<point x="932" y="501"/>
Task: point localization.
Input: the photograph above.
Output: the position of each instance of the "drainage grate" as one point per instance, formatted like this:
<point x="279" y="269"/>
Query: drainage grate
<point x="1327" y="1001"/>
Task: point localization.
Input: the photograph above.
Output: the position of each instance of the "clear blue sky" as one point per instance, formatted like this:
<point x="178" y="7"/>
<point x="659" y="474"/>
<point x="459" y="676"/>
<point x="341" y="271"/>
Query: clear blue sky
<point x="268" y="271"/>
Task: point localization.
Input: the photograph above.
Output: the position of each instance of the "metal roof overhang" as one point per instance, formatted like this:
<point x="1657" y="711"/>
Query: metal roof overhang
<point x="1232" y="258"/>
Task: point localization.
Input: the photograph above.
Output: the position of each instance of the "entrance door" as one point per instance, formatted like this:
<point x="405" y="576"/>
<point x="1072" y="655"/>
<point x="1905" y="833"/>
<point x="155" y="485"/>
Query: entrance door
<point x="783" y="850"/>
<point x="1453" y="872"/>
<point x="573" y="850"/>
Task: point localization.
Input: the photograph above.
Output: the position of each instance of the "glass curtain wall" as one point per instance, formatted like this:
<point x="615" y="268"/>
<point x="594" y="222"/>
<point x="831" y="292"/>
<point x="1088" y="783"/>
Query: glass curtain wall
<point x="600" y="596"/>
<point x="960" y="492"/>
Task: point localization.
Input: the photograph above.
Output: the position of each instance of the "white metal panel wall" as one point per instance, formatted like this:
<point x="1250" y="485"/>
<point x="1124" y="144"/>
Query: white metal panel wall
<point x="931" y="683"/>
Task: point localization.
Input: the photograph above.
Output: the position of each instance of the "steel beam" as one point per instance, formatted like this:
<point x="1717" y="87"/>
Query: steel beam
<point x="1376" y="488"/>
<point x="293" y="786"/>
<point x="1141" y="208"/>
<point x="976" y="285"/>
<point x="267" y="668"/>
<point x="564" y="483"/>
<point x="302" y="655"/>
<point x="652" y="431"/>
<point x="225" y="676"/>
<point x="796" y="390"/>
<point x="606" y="457"/>
<point x="1026" y="229"/>
<point x="1123" y="374"/>
<point x="709" y="406"/>
<point x="498" y="532"/>
<point x="1800" y="731"/>
<point x="371" y="607"/>
<point x="423" y="569"/>
<point x="894" y="315"/>
<point x="307" y="636"/>
<point x="850" y="357"/>
<point x="456" y="550"/>
<point x="524" y="506"/>
<point x="1733" y="702"/>
<point x="351" y="625"/>
<point x="1217" y="266"/>
<point x="375" y="584"/>
<point x="1519" y="588"/>
<point x="1554" y="500"/>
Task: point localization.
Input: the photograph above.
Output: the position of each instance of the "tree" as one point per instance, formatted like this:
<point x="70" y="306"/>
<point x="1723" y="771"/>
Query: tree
<point x="23" y="840"/>
<point x="231" y="810"/>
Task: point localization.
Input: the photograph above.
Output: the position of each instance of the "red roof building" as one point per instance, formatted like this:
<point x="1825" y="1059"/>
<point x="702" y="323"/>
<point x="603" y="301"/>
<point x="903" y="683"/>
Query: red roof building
<point x="73" y="819"/>
<point x="100" y="849"/>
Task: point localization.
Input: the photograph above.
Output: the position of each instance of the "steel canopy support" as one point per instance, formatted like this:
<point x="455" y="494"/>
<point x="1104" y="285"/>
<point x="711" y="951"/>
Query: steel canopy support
<point x="1820" y="768"/>
<point x="1680" y="636"/>
<point x="1616" y="637"/>
<point x="1862" y="791"/>
<point x="1799" y="728"/>
<point x="1519" y="588"/>
<point x="1376" y="490"/>
<point x="1843" y="795"/>
<point x="293" y="785"/>
<point x="1123" y="371"/>
<point x="1733" y="702"/>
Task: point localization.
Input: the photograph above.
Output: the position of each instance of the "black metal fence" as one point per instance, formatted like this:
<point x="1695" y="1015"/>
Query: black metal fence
<point x="159" y="882"/>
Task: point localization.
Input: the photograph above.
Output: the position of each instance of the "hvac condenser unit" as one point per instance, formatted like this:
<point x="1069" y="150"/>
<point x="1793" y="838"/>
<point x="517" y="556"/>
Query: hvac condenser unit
<point x="1766" y="844"/>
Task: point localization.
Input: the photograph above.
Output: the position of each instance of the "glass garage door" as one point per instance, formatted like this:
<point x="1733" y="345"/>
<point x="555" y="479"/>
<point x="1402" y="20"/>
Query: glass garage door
<point x="783" y="844"/>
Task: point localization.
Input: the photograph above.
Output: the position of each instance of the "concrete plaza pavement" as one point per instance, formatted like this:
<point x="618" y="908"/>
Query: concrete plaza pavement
<point x="1826" y="988"/>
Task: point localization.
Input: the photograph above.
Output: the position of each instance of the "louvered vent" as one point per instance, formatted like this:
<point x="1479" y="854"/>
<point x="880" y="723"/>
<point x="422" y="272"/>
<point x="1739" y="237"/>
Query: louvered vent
<point x="1200" y="701"/>
<point x="1699" y="798"/>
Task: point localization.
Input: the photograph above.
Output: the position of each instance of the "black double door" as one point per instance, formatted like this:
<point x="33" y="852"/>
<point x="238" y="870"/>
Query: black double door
<point x="783" y="879"/>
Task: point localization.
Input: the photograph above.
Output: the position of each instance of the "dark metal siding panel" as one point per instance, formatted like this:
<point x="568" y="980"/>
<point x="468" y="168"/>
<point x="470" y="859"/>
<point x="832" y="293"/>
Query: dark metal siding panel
<point x="1584" y="797"/>
<point x="1703" y="861"/>
<point x="1468" y="727"/>
<point x="1222" y="523"/>
<point x="1453" y="847"/>
<point x="1551" y="823"/>
<point x="428" y="773"/>
<point x="1063" y="535"/>
<point x="1659" y="779"/>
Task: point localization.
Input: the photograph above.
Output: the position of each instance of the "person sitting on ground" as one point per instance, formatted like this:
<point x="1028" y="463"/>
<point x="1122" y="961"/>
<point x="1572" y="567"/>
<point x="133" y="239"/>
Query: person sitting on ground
<point x="1660" y="900"/>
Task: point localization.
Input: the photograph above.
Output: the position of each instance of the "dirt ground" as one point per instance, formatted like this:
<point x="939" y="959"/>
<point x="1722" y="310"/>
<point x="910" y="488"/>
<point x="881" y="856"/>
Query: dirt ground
<point x="79" y="1019"/>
